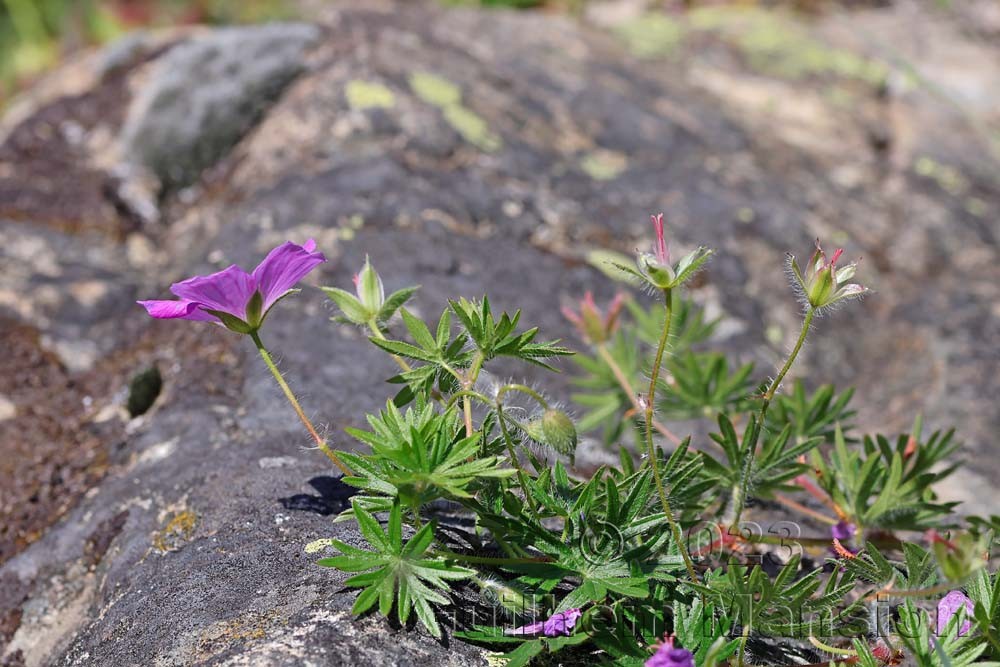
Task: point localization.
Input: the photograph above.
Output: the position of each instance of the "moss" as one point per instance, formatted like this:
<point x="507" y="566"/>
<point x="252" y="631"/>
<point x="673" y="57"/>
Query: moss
<point x="472" y="127"/>
<point x="318" y="545"/>
<point x="250" y="626"/>
<point x="602" y="165"/>
<point x="773" y="44"/>
<point x="439" y="92"/>
<point x="976" y="207"/>
<point x="176" y="532"/>
<point x="652" y="35"/>
<point x="947" y="178"/>
<point x="435" y="90"/>
<point x="368" y="95"/>
<point x="770" y="42"/>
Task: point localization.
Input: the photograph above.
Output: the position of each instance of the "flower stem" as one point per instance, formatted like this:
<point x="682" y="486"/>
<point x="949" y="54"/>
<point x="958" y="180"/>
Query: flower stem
<point x="651" y="450"/>
<point x="623" y="382"/>
<point x="468" y="383"/>
<point x="524" y="389"/>
<point x="488" y="560"/>
<point x="521" y="477"/>
<point x="325" y="448"/>
<point x="740" y="492"/>
<point x="405" y="367"/>
<point x="808" y="511"/>
<point x="832" y="649"/>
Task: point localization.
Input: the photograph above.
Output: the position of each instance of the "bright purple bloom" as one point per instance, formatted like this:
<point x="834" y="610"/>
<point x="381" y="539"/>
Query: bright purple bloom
<point x="234" y="293"/>
<point x="948" y="607"/>
<point x="843" y="531"/>
<point x="556" y="625"/>
<point x="669" y="656"/>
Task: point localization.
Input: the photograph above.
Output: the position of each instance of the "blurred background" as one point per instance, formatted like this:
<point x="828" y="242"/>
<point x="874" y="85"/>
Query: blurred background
<point x="470" y="147"/>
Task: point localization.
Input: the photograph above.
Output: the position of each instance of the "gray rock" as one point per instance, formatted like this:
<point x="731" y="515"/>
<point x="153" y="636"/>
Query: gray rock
<point x="123" y="52"/>
<point x="206" y="93"/>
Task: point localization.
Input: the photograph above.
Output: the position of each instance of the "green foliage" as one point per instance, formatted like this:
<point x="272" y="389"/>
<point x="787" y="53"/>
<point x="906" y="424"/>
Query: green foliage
<point x="811" y="415"/>
<point x="539" y="532"/>
<point x="771" y="468"/>
<point x="395" y="573"/>
<point x="948" y="650"/>
<point x="793" y="604"/>
<point x="420" y="456"/>
<point x="881" y="485"/>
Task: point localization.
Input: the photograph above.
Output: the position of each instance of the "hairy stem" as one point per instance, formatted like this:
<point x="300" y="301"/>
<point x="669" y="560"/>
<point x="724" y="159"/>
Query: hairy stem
<point x="675" y="530"/>
<point x="405" y="367"/>
<point x="524" y="389"/>
<point x="808" y="511"/>
<point x="467" y="383"/>
<point x="623" y="382"/>
<point x="521" y="477"/>
<point x="488" y="560"/>
<point x="325" y="448"/>
<point x="740" y="492"/>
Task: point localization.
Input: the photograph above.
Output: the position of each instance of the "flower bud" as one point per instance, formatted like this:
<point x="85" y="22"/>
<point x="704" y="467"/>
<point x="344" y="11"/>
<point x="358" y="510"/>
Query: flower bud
<point x="959" y="557"/>
<point x="594" y="326"/>
<point x="509" y="596"/>
<point x="368" y="284"/>
<point x="948" y="607"/>
<point x="366" y="307"/>
<point x="823" y="283"/>
<point x="658" y="273"/>
<point x="556" y="430"/>
<point x="656" y="269"/>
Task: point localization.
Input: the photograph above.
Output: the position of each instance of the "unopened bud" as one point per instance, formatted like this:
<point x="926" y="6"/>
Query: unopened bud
<point x="508" y="596"/>
<point x="823" y="284"/>
<point x="371" y="294"/>
<point x="556" y="430"/>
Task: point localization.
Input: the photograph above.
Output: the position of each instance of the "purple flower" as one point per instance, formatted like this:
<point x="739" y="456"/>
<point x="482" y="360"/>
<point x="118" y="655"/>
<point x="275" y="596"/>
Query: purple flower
<point x="843" y="531"/>
<point x="948" y="607"/>
<point x="237" y="299"/>
<point x="669" y="656"/>
<point x="556" y="625"/>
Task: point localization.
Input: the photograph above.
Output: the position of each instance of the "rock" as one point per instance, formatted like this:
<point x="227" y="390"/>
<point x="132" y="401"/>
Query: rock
<point x="470" y="152"/>
<point x="206" y="93"/>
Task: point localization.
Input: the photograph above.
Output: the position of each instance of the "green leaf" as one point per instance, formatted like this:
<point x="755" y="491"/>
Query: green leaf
<point x="349" y="305"/>
<point x="396" y="573"/>
<point x="394" y="302"/>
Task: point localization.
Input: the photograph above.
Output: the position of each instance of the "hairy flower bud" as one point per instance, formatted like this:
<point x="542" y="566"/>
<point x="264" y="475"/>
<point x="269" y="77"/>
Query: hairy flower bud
<point x="823" y="284"/>
<point x="656" y="269"/>
<point x="367" y="305"/>
<point x="594" y="326"/>
<point x="556" y="430"/>
<point x="369" y="287"/>
<point x="507" y="595"/>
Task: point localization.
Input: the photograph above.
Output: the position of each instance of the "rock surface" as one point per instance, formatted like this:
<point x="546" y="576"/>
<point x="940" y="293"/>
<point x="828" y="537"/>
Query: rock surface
<point x="469" y="152"/>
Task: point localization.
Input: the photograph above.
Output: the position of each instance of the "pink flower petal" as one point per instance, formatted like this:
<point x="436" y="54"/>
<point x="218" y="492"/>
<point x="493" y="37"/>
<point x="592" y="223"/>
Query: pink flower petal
<point x="283" y="268"/>
<point x="228" y="290"/>
<point x="171" y="310"/>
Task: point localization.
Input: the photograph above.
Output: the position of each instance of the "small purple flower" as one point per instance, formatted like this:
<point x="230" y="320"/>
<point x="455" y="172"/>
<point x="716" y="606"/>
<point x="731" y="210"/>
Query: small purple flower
<point x="560" y="624"/>
<point x="948" y="607"/>
<point x="237" y="299"/>
<point x="667" y="655"/>
<point x="843" y="531"/>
